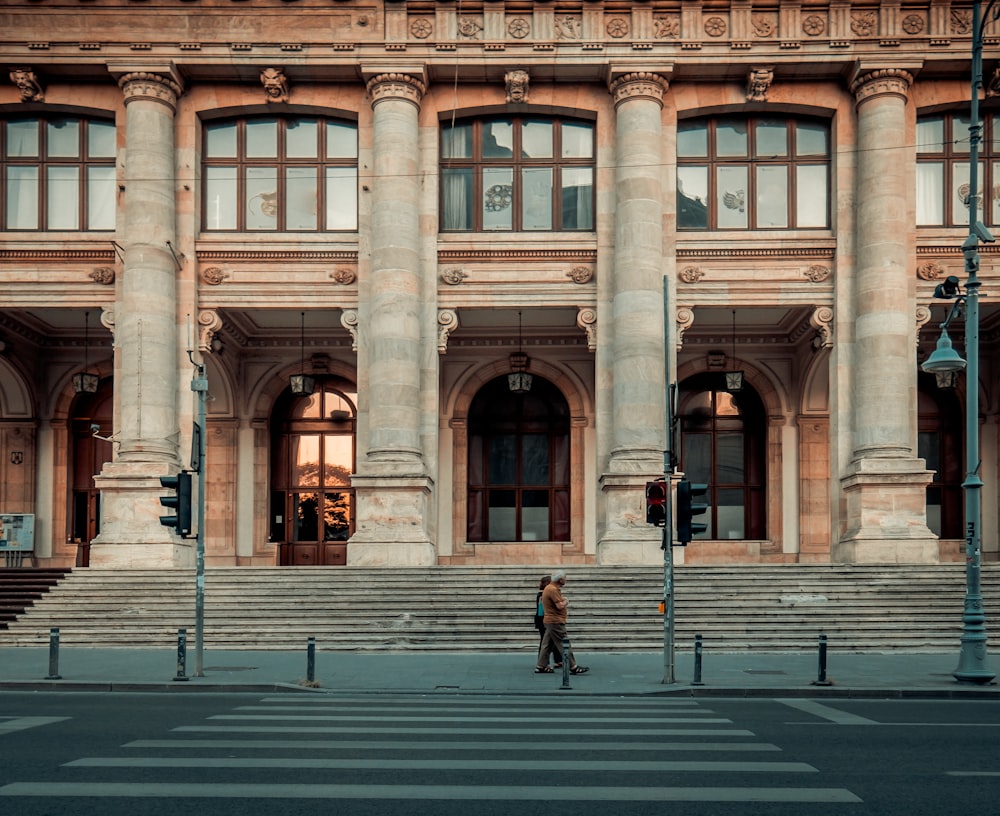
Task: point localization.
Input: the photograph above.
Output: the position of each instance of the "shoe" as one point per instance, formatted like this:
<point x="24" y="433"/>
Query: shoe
<point x="579" y="670"/>
<point x="543" y="670"/>
<point x="557" y="666"/>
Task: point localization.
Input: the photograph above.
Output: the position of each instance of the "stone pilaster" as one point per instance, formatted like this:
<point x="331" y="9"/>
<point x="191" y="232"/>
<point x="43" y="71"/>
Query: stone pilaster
<point x="147" y="355"/>
<point x="885" y="485"/>
<point x="392" y="484"/>
<point x="635" y="322"/>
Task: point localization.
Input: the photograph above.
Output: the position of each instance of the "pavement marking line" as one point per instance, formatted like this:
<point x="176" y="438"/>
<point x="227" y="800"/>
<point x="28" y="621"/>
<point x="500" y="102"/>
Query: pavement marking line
<point x="216" y="790"/>
<point x="443" y="764"/>
<point x="430" y="710"/>
<point x="825" y="712"/>
<point x="972" y="773"/>
<point x="432" y="700"/>
<point x="434" y="718"/>
<point x="472" y="729"/>
<point x="368" y="745"/>
<point x="24" y="723"/>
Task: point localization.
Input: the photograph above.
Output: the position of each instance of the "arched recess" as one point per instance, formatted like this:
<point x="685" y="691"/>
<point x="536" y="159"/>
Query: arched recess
<point x="462" y="397"/>
<point x="18" y="444"/>
<point x="815" y="456"/>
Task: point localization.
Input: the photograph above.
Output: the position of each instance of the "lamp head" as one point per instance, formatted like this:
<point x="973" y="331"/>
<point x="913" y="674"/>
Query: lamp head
<point x="947" y="289"/>
<point x="944" y="358"/>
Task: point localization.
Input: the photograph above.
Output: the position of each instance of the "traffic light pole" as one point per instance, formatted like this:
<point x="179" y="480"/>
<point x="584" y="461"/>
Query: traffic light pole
<point x="668" y="526"/>
<point x="199" y="384"/>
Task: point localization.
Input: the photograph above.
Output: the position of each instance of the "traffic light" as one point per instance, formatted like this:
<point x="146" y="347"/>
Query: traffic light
<point x="687" y="509"/>
<point x="180" y="502"/>
<point x="656" y="503"/>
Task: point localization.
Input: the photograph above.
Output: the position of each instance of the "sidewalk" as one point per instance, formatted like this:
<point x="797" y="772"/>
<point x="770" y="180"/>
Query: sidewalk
<point x="850" y="674"/>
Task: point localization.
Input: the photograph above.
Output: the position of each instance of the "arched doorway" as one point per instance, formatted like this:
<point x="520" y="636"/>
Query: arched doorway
<point x="940" y="443"/>
<point x="519" y="464"/>
<point x="723" y="445"/>
<point x="90" y="419"/>
<point x="312" y="501"/>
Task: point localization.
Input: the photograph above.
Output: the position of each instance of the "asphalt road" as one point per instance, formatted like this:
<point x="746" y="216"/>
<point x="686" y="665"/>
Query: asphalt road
<point x="483" y="755"/>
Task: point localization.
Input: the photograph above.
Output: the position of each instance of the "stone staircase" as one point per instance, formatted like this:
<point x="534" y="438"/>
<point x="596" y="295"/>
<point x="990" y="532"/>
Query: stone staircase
<point x="445" y="609"/>
<point x="20" y="588"/>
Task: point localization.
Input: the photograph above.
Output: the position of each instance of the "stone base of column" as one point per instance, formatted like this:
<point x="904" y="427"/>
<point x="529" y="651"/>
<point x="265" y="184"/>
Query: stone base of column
<point x="886" y="514"/>
<point x="626" y="538"/>
<point x="131" y="534"/>
<point x="392" y="522"/>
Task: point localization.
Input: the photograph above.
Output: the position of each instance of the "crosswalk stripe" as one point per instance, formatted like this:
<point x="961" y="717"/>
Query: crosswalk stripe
<point x="13" y="724"/>
<point x="217" y="790"/>
<point x="472" y="729"/>
<point x="444" y="764"/>
<point x="505" y="702"/>
<point x="563" y="720"/>
<point x="426" y="745"/>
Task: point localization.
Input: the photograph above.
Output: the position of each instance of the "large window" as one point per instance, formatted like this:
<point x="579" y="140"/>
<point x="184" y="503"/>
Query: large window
<point x="281" y="175"/>
<point x="749" y="173"/>
<point x="514" y="174"/>
<point x="943" y="170"/>
<point x="940" y="443"/>
<point x="58" y="174"/>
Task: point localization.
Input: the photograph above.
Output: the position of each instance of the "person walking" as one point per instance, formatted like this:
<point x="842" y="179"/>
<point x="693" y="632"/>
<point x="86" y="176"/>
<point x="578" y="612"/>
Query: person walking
<point x="555" y="607"/>
<point x="540" y="623"/>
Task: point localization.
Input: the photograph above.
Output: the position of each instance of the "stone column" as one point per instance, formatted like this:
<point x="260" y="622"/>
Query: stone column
<point x="635" y="325"/>
<point x="392" y="485"/>
<point x="146" y="337"/>
<point x="885" y="484"/>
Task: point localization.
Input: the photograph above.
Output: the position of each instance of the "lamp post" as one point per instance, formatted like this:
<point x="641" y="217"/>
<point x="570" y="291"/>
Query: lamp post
<point x="972" y="666"/>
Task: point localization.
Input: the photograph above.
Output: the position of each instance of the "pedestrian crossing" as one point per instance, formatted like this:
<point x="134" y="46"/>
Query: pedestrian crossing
<point x="448" y="748"/>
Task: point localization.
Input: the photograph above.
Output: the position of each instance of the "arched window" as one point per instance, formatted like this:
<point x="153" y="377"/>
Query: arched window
<point x="295" y="174"/>
<point x="517" y="174"/>
<point x="723" y="445"/>
<point x="312" y="501"/>
<point x="519" y="464"/>
<point x="940" y="443"/>
<point x="58" y="173"/>
<point x="753" y="173"/>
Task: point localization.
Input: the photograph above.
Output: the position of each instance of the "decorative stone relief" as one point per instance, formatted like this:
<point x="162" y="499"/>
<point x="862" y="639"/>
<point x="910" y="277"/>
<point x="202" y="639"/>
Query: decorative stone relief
<point x="759" y="82"/>
<point x="763" y="27"/>
<point x="421" y="28"/>
<point x="864" y="23"/>
<point x="393" y="85"/>
<point x="103" y="275"/>
<point x="140" y="85"/>
<point x="519" y="28"/>
<point x="715" y="26"/>
<point x="344" y="276"/>
<point x="666" y="27"/>
<point x="447" y="323"/>
<point x="639" y="84"/>
<point x="568" y="27"/>
<point x="108" y="317"/>
<point x="923" y="316"/>
<point x="691" y="274"/>
<point x="913" y="24"/>
<point x="454" y="276"/>
<point x="213" y="275"/>
<point x="586" y="319"/>
<point x="685" y="320"/>
<point x="275" y="84"/>
<point x="929" y="270"/>
<point x="209" y="323"/>
<point x="470" y="27"/>
<point x="349" y="320"/>
<point x="517" y="85"/>
<point x="961" y="21"/>
<point x="817" y="273"/>
<point x="881" y="81"/>
<point x="813" y="25"/>
<point x="27" y="84"/>
<point x="993" y="83"/>
<point x="581" y="274"/>
<point x="822" y="320"/>
<point x="617" y="27"/>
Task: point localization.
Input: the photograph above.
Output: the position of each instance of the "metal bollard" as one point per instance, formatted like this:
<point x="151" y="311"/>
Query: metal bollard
<point x="311" y="660"/>
<point x="565" y="662"/>
<point x="821" y="680"/>
<point x="182" y="635"/>
<point x="54" y="654"/>
<point x="697" y="662"/>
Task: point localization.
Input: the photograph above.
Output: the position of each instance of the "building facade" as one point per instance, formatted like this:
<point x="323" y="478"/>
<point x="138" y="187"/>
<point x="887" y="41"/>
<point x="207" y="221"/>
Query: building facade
<point x="443" y="263"/>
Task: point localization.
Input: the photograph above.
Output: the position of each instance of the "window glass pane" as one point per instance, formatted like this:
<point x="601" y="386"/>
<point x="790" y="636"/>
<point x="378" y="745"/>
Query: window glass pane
<point x="498" y="140"/>
<point x="498" y="195"/>
<point x="578" y="198"/>
<point x="456" y="142"/>
<point x="301" y="139"/>
<point x="697" y="457"/>
<point x="304" y="453"/>
<point x="262" y="198"/>
<point x="300" y="198"/>
<point x="307" y="407"/>
<point x="930" y="193"/>
<point x="100" y="198"/>
<point x="930" y="135"/>
<point x="62" y="198"/>
<point x="341" y="198"/>
<point x="577" y="141"/>
<point x="535" y="459"/>
<point x="692" y="197"/>
<point x="692" y="140"/>
<point x="961" y="191"/>
<point x="928" y="449"/>
<point x="960" y="133"/>
<point x="772" y="195"/>
<point x="536" y="140"/>
<point x="63" y="138"/>
<point x="338" y="456"/>
<point x="341" y="141"/>
<point x="220" y="141"/>
<point x="730" y="515"/>
<point x="535" y="515"/>
<point x="337" y="517"/>
<point x="101" y="140"/>
<point x="456" y="194"/>
<point x="262" y="139"/>
<point x="536" y="198"/>
<point x="502" y="456"/>
<point x="994" y="195"/>
<point x="729" y="468"/>
<point x="731" y="190"/>
<point x="22" y="138"/>
<point x="731" y="139"/>
<point x="812" y="196"/>
<point x="771" y="138"/>
<point x="305" y="526"/>
<point x="220" y="198"/>
<point x="993" y="122"/>
<point x="503" y="515"/>
<point x="812" y="140"/>
<point x="22" y="198"/>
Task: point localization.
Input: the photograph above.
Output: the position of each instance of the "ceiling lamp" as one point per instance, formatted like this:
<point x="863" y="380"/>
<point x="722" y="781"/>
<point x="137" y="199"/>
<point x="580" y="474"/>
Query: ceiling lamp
<point x="519" y="380"/>
<point x="734" y="379"/>
<point x="302" y="384"/>
<point x="83" y="381"/>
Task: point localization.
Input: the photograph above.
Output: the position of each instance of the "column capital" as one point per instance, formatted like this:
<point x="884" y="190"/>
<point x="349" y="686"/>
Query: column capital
<point x="150" y="86"/>
<point x="868" y="83"/>
<point x="639" y="85"/>
<point x="396" y="85"/>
